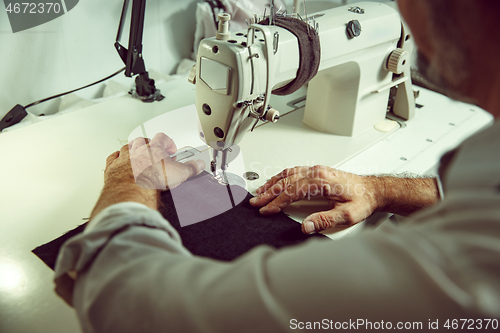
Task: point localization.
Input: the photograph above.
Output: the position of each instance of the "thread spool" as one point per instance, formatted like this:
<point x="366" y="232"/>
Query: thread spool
<point x="223" y="32"/>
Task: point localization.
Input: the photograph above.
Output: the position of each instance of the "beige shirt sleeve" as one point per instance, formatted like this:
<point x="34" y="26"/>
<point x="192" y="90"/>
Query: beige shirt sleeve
<point x="134" y="275"/>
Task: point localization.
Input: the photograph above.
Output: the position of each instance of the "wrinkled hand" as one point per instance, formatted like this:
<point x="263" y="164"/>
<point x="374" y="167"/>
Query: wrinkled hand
<point x="148" y="164"/>
<point x="352" y="198"/>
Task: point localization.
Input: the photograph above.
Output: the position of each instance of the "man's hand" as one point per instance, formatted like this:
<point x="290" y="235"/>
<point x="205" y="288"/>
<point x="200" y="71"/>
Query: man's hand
<point x="148" y="164"/>
<point x="140" y="169"/>
<point x="352" y="198"/>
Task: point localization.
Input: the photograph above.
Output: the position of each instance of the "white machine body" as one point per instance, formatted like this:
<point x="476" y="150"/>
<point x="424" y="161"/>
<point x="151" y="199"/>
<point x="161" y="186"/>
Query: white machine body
<point x="235" y="75"/>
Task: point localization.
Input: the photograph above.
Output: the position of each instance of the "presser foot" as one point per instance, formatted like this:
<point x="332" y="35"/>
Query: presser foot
<point x="229" y="178"/>
<point x="218" y="174"/>
<point x="218" y="166"/>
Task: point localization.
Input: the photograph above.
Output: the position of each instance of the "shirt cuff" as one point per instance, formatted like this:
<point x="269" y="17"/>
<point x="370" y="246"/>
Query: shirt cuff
<point x="440" y="188"/>
<point x="122" y="208"/>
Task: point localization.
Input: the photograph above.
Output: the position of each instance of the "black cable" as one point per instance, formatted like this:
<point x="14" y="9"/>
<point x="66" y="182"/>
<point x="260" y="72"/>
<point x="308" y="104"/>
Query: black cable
<point x="69" y="92"/>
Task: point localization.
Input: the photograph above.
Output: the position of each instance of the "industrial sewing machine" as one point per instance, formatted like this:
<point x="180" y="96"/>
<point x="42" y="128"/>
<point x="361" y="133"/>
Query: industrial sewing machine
<point x="363" y="73"/>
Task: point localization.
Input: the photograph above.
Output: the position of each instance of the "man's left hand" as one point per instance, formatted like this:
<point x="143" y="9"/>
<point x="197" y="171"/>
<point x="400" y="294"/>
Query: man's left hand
<point x="140" y="169"/>
<point x="148" y="164"/>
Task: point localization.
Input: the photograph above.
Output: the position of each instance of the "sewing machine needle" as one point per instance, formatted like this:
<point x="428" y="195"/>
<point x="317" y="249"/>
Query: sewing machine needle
<point x="219" y="172"/>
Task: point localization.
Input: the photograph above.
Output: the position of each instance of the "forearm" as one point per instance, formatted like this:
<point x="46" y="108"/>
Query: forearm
<point x="122" y="192"/>
<point x="405" y="196"/>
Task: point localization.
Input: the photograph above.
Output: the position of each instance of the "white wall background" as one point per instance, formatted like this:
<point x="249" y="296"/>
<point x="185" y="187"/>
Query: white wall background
<point x="77" y="49"/>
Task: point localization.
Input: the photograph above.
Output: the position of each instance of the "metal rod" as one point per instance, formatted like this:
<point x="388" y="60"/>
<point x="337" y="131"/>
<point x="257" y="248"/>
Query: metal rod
<point x="296" y="6"/>
<point x="122" y="20"/>
<point x="271" y="15"/>
<point x="223" y="160"/>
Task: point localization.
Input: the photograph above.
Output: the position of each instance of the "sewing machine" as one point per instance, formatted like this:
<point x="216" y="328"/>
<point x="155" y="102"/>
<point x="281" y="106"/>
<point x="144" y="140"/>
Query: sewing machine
<point x="363" y="71"/>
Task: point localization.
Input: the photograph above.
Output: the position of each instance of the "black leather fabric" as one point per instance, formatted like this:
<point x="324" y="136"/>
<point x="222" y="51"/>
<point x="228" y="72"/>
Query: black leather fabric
<point x="225" y="235"/>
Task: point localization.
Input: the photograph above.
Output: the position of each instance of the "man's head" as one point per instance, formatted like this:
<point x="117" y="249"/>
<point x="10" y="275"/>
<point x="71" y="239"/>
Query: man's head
<point x="458" y="45"/>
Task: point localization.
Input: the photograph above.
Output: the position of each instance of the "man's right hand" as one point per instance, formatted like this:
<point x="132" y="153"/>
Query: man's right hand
<point x="352" y="198"/>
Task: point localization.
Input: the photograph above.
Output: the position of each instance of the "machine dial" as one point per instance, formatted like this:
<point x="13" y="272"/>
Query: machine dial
<point x="397" y="61"/>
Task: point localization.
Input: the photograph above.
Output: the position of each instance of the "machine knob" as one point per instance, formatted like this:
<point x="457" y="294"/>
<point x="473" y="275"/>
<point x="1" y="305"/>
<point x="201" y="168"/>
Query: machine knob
<point x="353" y="29"/>
<point x="397" y="61"/>
<point x="223" y="32"/>
<point x="272" y="115"/>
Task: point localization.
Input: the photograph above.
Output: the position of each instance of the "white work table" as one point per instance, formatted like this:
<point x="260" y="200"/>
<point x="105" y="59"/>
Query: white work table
<point x="52" y="173"/>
